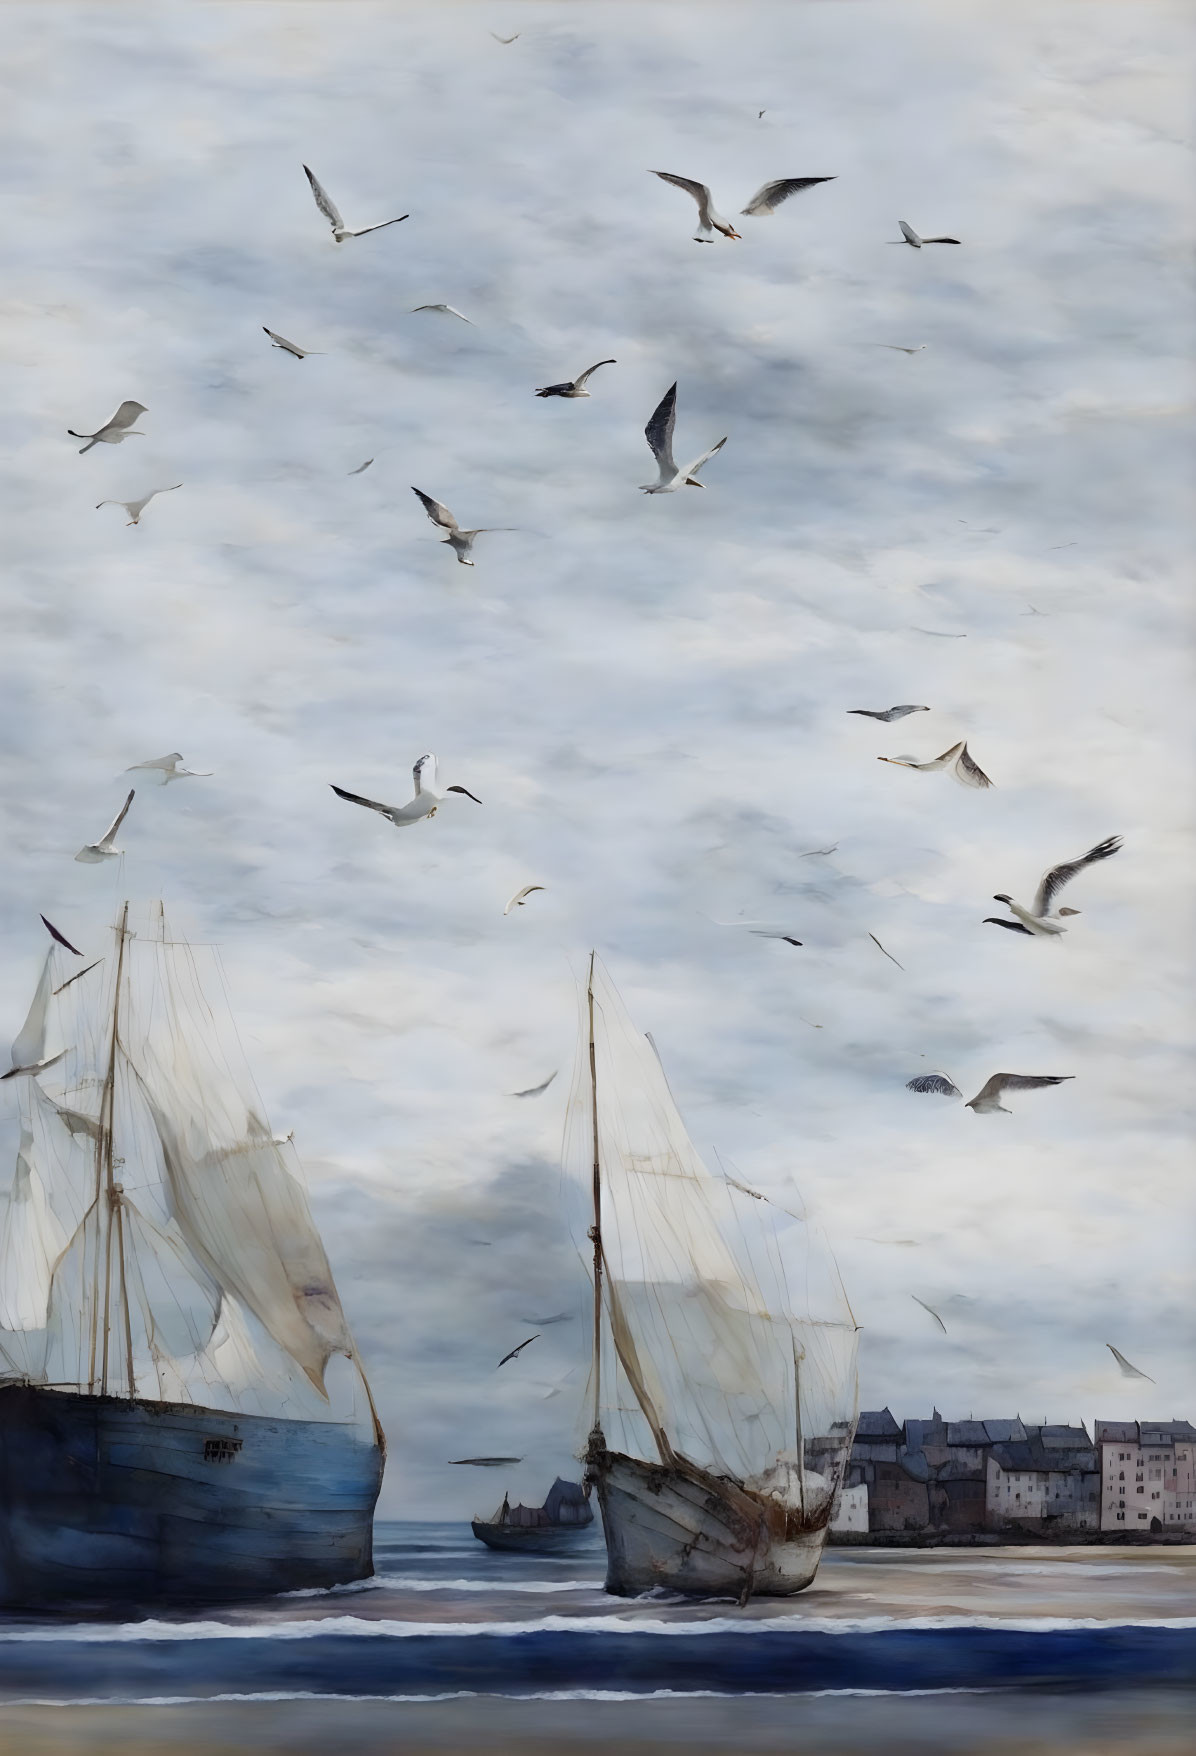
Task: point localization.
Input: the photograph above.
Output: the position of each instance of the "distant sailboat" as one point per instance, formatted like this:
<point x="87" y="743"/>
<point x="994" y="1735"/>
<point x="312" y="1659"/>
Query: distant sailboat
<point x="553" y="1528"/>
<point x="731" y="1409"/>
<point x="173" y="1420"/>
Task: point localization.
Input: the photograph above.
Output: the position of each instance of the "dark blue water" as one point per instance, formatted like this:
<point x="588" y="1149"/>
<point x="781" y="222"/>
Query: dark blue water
<point x="444" y="1615"/>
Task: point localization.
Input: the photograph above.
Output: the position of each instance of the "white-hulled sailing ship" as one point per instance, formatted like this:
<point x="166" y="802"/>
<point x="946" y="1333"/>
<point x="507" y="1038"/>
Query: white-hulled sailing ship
<point x="724" y="1355"/>
<point x="182" y="1410"/>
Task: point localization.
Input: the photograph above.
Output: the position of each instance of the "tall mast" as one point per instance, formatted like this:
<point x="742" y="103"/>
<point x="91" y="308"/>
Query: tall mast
<point x="112" y="1192"/>
<point x="596" y="1228"/>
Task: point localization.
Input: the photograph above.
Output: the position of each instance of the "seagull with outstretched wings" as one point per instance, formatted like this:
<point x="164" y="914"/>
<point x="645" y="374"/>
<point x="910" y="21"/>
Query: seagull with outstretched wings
<point x="515" y="1351"/>
<point x="576" y="386"/>
<point x="328" y="207"/>
<point x="765" y="201"/>
<point x="1040" y="920"/>
<point x="288" y="347"/>
<point x="106" y="848"/>
<point x="659" y="434"/>
<point x="459" y="541"/>
<point x="428" y="795"/>
<point x="114" y="431"/>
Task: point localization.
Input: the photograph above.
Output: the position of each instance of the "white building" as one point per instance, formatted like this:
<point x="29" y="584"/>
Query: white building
<point x="1148" y="1476"/>
<point x="851" y="1511"/>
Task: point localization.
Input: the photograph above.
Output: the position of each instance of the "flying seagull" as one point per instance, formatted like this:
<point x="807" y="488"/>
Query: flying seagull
<point x="659" y="434"/>
<point x="889" y="714"/>
<point x="361" y="466"/>
<point x="577" y="386"/>
<point x="967" y="772"/>
<point x="52" y="930"/>
<point x="106" y="848"/>
<point x="288" y="347"/>
<point x="328" y="207"/>
<point x="504" y="40"/>
<point x="459" y="541"/>
<point x="1127" y="1371"/>
<point x="766" y="200"/>
<point x="911" y="237"/>
<point x="896" y="348"/>
<point x="937" y="1083"/>
<point x="486" y="1462"/>
<point x="168" y="768"/>
<point x="933" y="1313"/>
<point x="115" y="430"/>
<point x="1039" y="920"/>
<point x="428" y="794"/>
<point x="773" y="933"/>
<point x="881" y="948"/>
<point x="557" y="1317"/>
<point x="518" y="1350"/>
<point x="819" y="853"/>
<point x="520" y="897"/>
<point x="988" y="1098"/>
<point x="534" y="1091"/>
<point x="447" y="311"/>
<point x="135" y="508"/>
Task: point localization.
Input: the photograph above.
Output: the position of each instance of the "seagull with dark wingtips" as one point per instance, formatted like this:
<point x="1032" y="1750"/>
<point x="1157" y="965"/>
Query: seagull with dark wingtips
<point x="965" y="769"/>
<point x="288" y="347"/>
<point x="577" y="386"/>
<point x="765" y="201"/>
<point x="911" y="237"/>
<point x="988" y="1098"/>
<point x="889" y="714"/>
<point x="114" y="431"/>
<point x="169" y="768"/>
<point x="106" y="848"/>
<point x="331" y="212"/>
<point x="659" y="434"/>
<point x="135" y="508"/>
<point x="428" y="795"/>
<point x="459" y="541"/>
<point x="445" y="311"/>
<point x="1040" y="921"/>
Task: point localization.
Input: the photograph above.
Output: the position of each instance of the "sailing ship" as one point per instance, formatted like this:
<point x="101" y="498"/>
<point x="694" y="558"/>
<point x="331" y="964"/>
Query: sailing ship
<point x="183" y="1414"/>
<point x="552" y="1528"/>
<point x="724" y="1349"/>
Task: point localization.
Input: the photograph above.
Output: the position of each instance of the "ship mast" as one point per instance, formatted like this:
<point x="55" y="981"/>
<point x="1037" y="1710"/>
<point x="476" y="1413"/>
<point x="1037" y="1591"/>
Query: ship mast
<point x="112" y="1191"/>
<point x="596" y="1228"/>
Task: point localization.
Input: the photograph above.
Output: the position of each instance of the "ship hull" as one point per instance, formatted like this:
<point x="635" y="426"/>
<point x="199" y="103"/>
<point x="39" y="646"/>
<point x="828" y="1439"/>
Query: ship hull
<point x="105" y="1501"/>
<point x="539" y="1539"/>
<point x="679" y="1529"/>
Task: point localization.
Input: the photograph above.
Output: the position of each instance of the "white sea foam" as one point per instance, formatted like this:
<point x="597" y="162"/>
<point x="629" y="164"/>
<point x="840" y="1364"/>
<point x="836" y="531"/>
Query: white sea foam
<point x="402" y="1582"/>
<point x="361" y="1627"/>
<point x="278" y="1695"/>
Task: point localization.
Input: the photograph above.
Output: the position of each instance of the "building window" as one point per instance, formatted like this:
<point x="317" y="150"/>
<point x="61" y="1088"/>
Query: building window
<point x="1141" y="1515"/>
<point x="1139" y="1490"/>
<point x="1121" y="1515"/>
<point x="1121" y="1476"/>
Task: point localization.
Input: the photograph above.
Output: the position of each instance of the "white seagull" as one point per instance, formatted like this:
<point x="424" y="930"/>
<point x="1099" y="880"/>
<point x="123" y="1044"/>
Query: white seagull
<point x="446" y="310"/>
<point x="106" y="848"/>
<point x="577" y="386"/>
<point x="428" y="794"/>
<point x="1127" y="1370"/>
<point x="520" y="897"/>
<point x="167" y="768"/>
<point x="887" y="714"/>
<point x="288" y="347"/>
<point x="659" y="434"/>
<point x="459" y="541"/>
<point x="967" y="772"/>
<point x="988" y="1098"/>
<point x="120" y="427"/>
<point x="911" y="237"/>
<point x="328" y="207"/>
<point x="135" y="508"/>
<point x="1039" y="920"/>
<point x="766" y="200"/>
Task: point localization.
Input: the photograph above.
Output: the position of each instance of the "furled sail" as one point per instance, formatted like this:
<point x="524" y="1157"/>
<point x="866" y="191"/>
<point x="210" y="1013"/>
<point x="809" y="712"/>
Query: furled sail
<point x="736" y="1357"/>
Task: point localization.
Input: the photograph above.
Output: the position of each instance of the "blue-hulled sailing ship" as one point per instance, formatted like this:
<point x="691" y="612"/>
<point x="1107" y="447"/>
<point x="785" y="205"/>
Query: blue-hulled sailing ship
<point x="183" y="1414"/>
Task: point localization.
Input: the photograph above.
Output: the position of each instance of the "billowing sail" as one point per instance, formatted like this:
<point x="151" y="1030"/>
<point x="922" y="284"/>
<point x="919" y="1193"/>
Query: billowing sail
<point x="153" y="1241"/>
<point x="730" y="1341"/>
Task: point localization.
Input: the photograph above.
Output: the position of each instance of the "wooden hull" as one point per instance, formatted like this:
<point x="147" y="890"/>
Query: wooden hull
<point x="682" y="1530"/>
<point x="539" y="1539"/>
<point x="106" y="1501"/>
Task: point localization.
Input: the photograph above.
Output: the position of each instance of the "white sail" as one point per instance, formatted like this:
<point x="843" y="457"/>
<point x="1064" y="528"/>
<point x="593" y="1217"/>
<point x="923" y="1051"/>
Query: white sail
<point x="154" y="1241"/>
<point x="29" y="1044"/>
<point x="733" y="1358"/>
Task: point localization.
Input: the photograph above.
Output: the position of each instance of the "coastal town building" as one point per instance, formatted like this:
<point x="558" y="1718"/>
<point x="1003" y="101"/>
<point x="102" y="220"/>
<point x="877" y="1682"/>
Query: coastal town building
<point x="1148" y="1476"/>
<point x="946" y="1481"/>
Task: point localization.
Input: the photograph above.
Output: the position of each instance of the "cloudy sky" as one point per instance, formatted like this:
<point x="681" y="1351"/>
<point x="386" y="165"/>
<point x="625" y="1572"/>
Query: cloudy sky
<point x="648" y="693"/>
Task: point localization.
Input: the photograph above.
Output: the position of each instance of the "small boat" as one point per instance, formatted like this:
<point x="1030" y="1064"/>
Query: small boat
<point x="183" y="1414"/>
<point x="724" y="1349"/>
<point x="554" y="1527"/>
